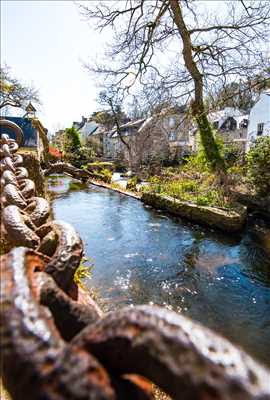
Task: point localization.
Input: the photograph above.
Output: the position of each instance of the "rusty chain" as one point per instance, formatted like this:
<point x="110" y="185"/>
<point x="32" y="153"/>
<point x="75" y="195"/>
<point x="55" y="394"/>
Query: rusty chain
<point x="55" y="344"/>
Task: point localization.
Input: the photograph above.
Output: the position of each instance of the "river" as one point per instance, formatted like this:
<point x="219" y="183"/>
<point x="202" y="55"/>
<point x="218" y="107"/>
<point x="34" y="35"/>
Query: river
<point x="142" y="255"/>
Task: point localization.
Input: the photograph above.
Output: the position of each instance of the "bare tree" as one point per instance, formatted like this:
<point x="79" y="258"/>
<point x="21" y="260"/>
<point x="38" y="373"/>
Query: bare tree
<point x="112" y="98"/>
<point x="211" y="48"/>
<point x="13" y="93"/>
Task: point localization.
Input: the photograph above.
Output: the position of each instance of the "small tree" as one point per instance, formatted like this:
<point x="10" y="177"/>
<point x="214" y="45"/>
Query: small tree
<point x="259" y="165"/>
<point x="72" y="145"/>
<point x="72" y="140"/>
<point x="13" y="93"/>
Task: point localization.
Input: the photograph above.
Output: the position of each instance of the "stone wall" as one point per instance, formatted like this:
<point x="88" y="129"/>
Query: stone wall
<point x="228" y="220"/>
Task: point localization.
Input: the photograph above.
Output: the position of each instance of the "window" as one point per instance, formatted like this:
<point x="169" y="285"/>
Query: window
<point x="260" y="128"/>
<point x="172" y="122"/>
<point x="172" y="136"/>
<point x="243" y="123"/>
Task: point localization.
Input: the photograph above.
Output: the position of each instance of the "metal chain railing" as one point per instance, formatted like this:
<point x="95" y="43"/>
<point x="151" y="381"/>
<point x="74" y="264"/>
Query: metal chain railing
<point x="56" y="345"/>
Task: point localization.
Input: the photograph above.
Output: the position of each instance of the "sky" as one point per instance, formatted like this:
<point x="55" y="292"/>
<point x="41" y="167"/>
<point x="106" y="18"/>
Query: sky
<point x="45" y="43"/>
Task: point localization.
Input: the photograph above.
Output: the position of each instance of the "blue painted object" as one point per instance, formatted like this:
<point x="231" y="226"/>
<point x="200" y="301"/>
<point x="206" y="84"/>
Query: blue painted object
<point x="29" y="132"/>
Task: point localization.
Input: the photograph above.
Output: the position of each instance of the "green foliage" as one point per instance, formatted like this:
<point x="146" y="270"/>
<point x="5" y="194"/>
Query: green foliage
<point x="98" y="166"/>
<point x="80" y="157"/>
<point x="232" y="154"/>
<point x="104" y="175"/>
<point x="210" y="198"/>
<point x="258" y="167"/>
<point x="83" y="271"/>
<point x="200" y="191"/>
<point x="72" y="140"/>
<point x="155" y="179"/>
<point x="132" y="183"/>
<point x="210" y="146"/>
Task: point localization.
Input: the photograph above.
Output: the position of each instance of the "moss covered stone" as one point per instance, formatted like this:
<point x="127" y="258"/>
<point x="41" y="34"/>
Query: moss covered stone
<point x="226" y="220"/>
<point x="99" y="166"/>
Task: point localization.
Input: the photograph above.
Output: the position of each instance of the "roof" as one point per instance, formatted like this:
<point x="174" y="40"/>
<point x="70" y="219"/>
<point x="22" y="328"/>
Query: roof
<point x="88" y="128"/>
<point x="225" y="113"/>
<point x="30" y="107"/>
<point x="131" y="124"/>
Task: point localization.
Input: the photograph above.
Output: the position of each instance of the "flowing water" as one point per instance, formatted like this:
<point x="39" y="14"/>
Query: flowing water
<point x="143" y="256"/>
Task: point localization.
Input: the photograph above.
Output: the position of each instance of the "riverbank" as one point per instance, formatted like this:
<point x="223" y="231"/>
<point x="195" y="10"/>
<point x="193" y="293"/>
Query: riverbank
<point x="228" y="220"/>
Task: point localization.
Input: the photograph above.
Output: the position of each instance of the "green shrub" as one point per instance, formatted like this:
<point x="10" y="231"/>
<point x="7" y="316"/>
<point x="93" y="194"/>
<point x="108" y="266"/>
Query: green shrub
<point x="211" y="198"/>
<point x="132" y="183"/>
<point x="80" y="157"/>
<point x="103" y="175"/>
<point x="98" y="166"/>
<point x="232" y="154"/>
<point x="258" y="166"/>
<point x="155" y="179"/>
<point x="189" y="186"/>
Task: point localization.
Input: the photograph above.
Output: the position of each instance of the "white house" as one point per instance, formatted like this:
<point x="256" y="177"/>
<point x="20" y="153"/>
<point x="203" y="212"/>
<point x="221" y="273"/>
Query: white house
<point x="231" y="123"/>
<point x="259" y="119"/>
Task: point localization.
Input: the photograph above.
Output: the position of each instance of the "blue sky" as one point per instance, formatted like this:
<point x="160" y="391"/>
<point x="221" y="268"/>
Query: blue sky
<point x="44" y="42"/>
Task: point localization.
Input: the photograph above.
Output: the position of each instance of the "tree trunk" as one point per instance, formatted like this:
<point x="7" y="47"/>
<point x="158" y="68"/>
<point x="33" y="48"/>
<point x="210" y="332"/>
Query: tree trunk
<point x="210" y="147"/>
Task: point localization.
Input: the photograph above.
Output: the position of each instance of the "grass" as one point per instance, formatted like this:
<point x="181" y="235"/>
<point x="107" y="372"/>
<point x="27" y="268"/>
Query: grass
<point x="202" y="191"/>
<point x="83" y="271"/>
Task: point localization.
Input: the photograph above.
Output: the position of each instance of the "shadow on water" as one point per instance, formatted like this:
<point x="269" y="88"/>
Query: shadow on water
<point x="143" y="256"/>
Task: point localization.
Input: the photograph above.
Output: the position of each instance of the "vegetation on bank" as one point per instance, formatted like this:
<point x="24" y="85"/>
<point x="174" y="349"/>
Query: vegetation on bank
<point x="195" y="182"/>
<point x="83" y="271"/>
<point x="194" y="179"/>
<point x="258" y="165"/>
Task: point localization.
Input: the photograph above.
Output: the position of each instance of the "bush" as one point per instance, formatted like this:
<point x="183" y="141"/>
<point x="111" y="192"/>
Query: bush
<point x="259" y="165"/>
<point x="104" y="175"/>
<point x="81" y="156"/>
<point x="132" y="183"/>
<point x="232" y="154"/>
<point x="98" y="166"/>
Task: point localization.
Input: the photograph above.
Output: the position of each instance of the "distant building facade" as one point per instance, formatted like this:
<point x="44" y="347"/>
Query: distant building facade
<point x="259" y="119"/>
<point x="231" y="124"/>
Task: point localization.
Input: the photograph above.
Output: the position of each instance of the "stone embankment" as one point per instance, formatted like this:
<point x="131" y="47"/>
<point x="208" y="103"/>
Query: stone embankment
<point x="228" y="220"/>
<point x="253" y="201"/>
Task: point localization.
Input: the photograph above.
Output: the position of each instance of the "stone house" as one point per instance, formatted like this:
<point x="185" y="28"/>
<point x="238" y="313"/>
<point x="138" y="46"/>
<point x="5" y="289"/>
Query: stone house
<point x="113" y="147"/>
<point x="259" y="119"/>
<point x="162" y="136"/>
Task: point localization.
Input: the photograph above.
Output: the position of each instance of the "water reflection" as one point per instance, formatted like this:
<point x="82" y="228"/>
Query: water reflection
<point x="143" y="256"/>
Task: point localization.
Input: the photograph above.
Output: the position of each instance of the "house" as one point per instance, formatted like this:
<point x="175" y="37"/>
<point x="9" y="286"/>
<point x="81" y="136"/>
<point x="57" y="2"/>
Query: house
<point x="91" y="133"/>
<point x="231" y="124"/>
<point x="79" y="124"/>
<point x="113" y="146"/>
<point x="259" y="119"/>
<point x="163" y="135"/>
<point x="176" y="125"/>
